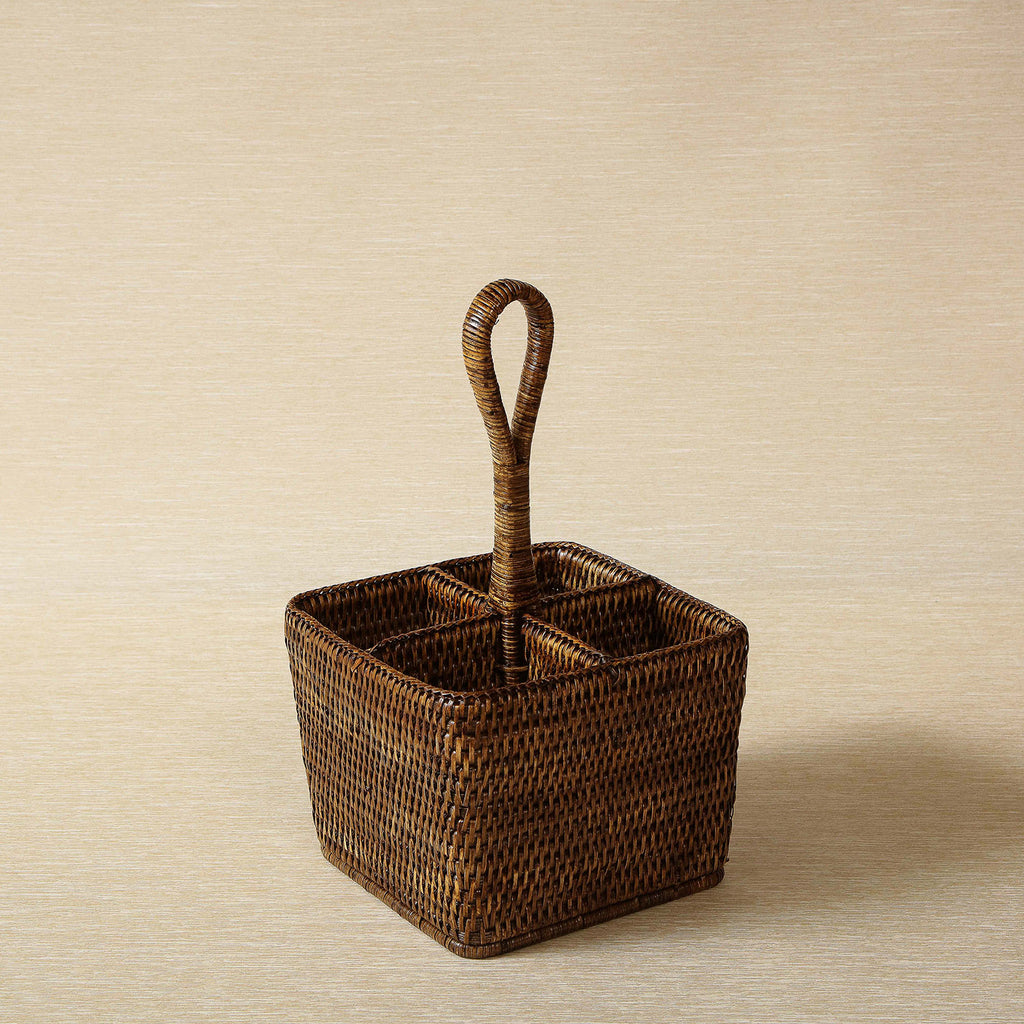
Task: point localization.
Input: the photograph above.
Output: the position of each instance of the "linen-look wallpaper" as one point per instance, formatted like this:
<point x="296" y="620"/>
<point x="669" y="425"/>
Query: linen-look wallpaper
<point x="784" y="246"/>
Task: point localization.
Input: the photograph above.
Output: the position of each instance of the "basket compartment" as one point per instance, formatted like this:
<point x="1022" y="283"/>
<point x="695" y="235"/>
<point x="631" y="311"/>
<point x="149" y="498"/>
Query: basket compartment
<point x="613" y="793"/>
<point x="626" y="619"/>
<point x="367" y="611"/>
<point x="560" y="567"/>
<point x="466" y="655"/>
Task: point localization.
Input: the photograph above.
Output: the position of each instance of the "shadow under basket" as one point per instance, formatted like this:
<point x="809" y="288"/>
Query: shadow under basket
<point x="504" y="769"/>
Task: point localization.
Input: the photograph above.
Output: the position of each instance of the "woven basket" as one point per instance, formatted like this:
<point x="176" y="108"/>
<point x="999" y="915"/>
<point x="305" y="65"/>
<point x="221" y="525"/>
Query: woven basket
<point x="508" y="747"/>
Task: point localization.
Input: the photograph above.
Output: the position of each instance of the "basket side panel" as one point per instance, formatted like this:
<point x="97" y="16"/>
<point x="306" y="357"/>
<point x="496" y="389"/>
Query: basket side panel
<point x="381" y="758"/>
<point x="610" y="785"/>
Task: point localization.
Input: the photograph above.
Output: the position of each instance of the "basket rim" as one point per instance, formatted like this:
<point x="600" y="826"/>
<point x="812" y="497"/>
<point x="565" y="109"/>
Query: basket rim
<point x="573" y="547"/>
<point x="549" y="684"/>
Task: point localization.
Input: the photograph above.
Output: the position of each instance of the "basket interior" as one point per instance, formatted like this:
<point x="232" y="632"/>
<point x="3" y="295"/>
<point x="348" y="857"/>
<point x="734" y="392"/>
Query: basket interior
<point x="466" y="655"/>
<point x="435" y="624"/>
<point x="561" y="568"/>
<point x="625" y="619"/>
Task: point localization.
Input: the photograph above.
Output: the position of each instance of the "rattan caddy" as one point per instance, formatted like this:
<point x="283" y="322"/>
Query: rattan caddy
<point x="507" y="747"/>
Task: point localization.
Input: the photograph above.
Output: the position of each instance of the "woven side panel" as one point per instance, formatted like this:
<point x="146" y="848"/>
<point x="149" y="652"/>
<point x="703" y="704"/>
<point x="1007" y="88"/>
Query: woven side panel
<point x="382" y="760"/>
<point x="606" y="786"/>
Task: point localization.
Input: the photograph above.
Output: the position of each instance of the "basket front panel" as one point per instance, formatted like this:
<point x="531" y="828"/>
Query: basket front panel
<point x="610" y="785"/>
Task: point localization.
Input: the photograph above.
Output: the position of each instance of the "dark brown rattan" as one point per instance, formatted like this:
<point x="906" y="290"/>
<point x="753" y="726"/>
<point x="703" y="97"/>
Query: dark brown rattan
<point x="511" y="746"/>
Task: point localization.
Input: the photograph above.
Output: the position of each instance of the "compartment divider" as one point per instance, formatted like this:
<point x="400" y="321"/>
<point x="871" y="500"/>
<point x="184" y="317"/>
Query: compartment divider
<point x="585" y="614"/>
<point x="454" y="594"/>
<point x="552" y="651"/>
<point x="453" y="655"/>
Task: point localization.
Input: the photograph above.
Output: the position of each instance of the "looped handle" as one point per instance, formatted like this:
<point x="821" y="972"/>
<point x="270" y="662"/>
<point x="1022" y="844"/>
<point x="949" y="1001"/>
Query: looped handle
<point x="513" y="586"/>
<point x="508" y="447"/>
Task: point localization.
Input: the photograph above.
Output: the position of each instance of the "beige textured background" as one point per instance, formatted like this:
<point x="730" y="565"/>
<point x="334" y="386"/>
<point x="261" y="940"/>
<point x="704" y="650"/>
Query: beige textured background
<point x="784" y="245"/>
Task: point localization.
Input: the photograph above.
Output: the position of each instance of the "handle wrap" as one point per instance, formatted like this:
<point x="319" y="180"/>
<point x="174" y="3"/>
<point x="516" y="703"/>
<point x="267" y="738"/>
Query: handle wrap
<point x="513" y="586"/>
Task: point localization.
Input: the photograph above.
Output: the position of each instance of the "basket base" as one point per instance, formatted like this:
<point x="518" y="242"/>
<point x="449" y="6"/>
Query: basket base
<point x="551" y="931"/>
